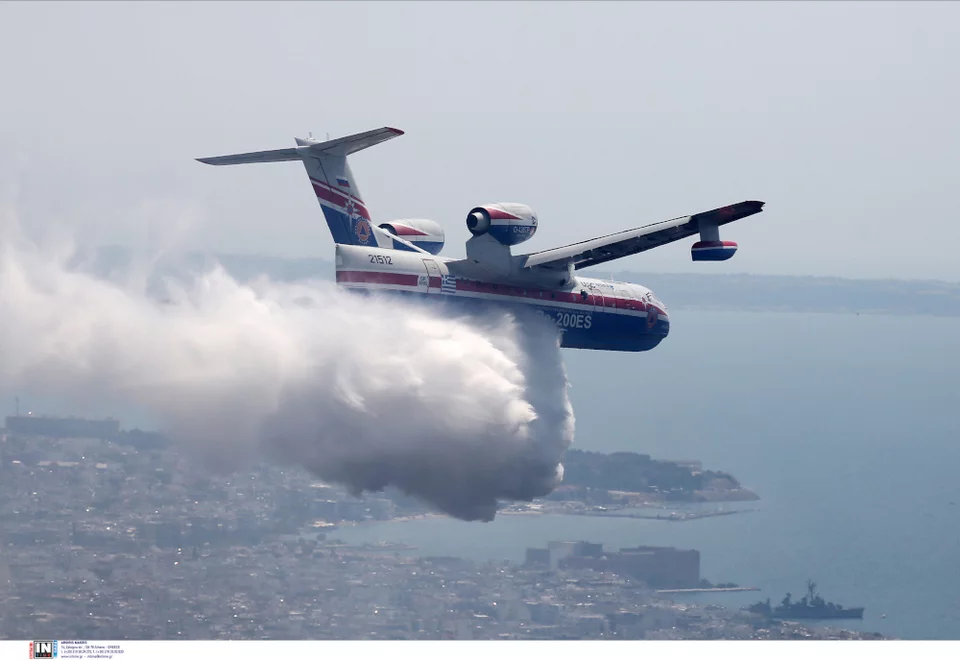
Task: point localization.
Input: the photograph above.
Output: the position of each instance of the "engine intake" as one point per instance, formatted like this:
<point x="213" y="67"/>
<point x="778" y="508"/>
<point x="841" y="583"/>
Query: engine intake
<point x="478" y="222"/>
<point x="508" y="223"/>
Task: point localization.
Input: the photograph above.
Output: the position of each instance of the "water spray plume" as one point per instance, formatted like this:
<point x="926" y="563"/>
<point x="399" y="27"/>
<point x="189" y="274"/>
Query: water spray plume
<point x="362" y="391"/>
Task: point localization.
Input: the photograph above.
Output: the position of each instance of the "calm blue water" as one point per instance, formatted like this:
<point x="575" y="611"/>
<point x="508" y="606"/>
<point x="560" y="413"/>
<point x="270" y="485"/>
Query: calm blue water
<point x="847" y="426"/>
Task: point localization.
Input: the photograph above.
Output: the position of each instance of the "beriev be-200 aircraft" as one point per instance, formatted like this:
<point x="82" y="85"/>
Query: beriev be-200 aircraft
<point x="400" y="256"/>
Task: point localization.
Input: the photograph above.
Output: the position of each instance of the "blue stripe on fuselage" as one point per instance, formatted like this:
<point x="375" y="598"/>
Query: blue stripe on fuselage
<point x="587" y="328"/>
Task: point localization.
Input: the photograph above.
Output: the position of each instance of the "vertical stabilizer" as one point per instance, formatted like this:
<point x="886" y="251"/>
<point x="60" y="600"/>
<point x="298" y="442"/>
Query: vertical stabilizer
<point x="333" y="184"/>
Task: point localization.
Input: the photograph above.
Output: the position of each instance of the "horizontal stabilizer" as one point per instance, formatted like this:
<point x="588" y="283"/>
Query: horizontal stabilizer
<point x="272" y="156"/>
<point x="309" y="148"/>
<point x="333" y="184"/>
<point x="352" y="143"/>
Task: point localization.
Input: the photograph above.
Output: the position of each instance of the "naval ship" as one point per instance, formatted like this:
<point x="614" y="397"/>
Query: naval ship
<point x="811" y="606"/>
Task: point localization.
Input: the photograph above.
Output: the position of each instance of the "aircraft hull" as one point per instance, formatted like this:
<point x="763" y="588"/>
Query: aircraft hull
<point x="593" y="314"/>
<point x="589" y="313"/>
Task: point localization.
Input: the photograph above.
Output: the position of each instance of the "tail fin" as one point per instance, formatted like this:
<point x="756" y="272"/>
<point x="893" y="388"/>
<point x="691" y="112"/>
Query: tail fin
<point x="333" y="182"/>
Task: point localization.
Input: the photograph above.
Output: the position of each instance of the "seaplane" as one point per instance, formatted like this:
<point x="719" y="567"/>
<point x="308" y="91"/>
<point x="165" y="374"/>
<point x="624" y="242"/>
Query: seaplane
<point x="401" y="257"/>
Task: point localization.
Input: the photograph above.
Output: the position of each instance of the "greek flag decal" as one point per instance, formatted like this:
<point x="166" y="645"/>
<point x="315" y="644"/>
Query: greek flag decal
<point x="448" y="284"/>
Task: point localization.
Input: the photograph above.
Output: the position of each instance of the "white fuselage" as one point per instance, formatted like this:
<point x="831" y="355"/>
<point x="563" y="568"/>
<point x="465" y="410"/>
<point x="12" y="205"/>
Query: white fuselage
<point x="591" y="313"/>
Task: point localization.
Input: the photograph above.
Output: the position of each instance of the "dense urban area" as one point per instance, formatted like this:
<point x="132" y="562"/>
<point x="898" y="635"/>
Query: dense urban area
<point x="110" y="534"/>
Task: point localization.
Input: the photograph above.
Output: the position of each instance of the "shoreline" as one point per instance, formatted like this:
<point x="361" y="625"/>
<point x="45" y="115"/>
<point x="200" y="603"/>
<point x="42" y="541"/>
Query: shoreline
<point x="632" y="513"/>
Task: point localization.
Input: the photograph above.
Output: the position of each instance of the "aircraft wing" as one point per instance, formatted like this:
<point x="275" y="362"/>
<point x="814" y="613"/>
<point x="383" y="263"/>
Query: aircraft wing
<point x="632" y="241"/>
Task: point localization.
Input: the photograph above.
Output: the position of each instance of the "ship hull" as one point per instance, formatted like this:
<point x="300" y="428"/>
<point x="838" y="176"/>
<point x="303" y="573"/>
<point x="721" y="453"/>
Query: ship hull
<point x="851" y="613"/>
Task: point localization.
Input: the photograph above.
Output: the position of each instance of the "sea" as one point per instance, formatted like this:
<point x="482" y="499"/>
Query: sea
<point x="847" y="426"/>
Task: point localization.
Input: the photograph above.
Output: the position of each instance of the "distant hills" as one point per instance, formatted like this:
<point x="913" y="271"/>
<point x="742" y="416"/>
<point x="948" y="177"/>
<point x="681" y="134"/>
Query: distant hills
<point x="631" y="472"/>
<point x="802" y="294"/>
<point x="677" y="290"/>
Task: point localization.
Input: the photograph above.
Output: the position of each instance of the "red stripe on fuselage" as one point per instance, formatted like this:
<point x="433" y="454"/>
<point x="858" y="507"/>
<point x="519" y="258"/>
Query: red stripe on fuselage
<point x="544" y="296"/>
<point x="366" y="277"/>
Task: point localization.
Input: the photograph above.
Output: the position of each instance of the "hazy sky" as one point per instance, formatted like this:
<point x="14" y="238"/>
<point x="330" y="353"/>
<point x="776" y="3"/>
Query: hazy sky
<point x="842" y="117"/>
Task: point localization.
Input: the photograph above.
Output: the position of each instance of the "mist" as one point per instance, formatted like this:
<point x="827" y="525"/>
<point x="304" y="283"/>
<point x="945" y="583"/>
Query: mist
<point x="364" y="391"/>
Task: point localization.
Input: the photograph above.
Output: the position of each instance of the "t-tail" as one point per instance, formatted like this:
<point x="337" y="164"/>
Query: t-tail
<point x="336" y="189"/>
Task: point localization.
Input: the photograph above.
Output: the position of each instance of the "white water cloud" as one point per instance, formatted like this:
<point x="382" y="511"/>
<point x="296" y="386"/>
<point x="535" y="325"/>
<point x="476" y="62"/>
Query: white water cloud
<point x="362" y="391"/>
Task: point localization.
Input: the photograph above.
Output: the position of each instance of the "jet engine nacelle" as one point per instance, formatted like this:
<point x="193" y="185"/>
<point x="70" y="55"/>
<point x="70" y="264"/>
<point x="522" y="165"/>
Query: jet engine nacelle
<point x="425" y="234"/>
<point x="508" y="223"/>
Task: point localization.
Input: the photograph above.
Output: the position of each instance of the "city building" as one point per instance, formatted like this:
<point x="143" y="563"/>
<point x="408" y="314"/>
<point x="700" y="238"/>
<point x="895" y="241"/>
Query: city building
<point x="658" y="567"/>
